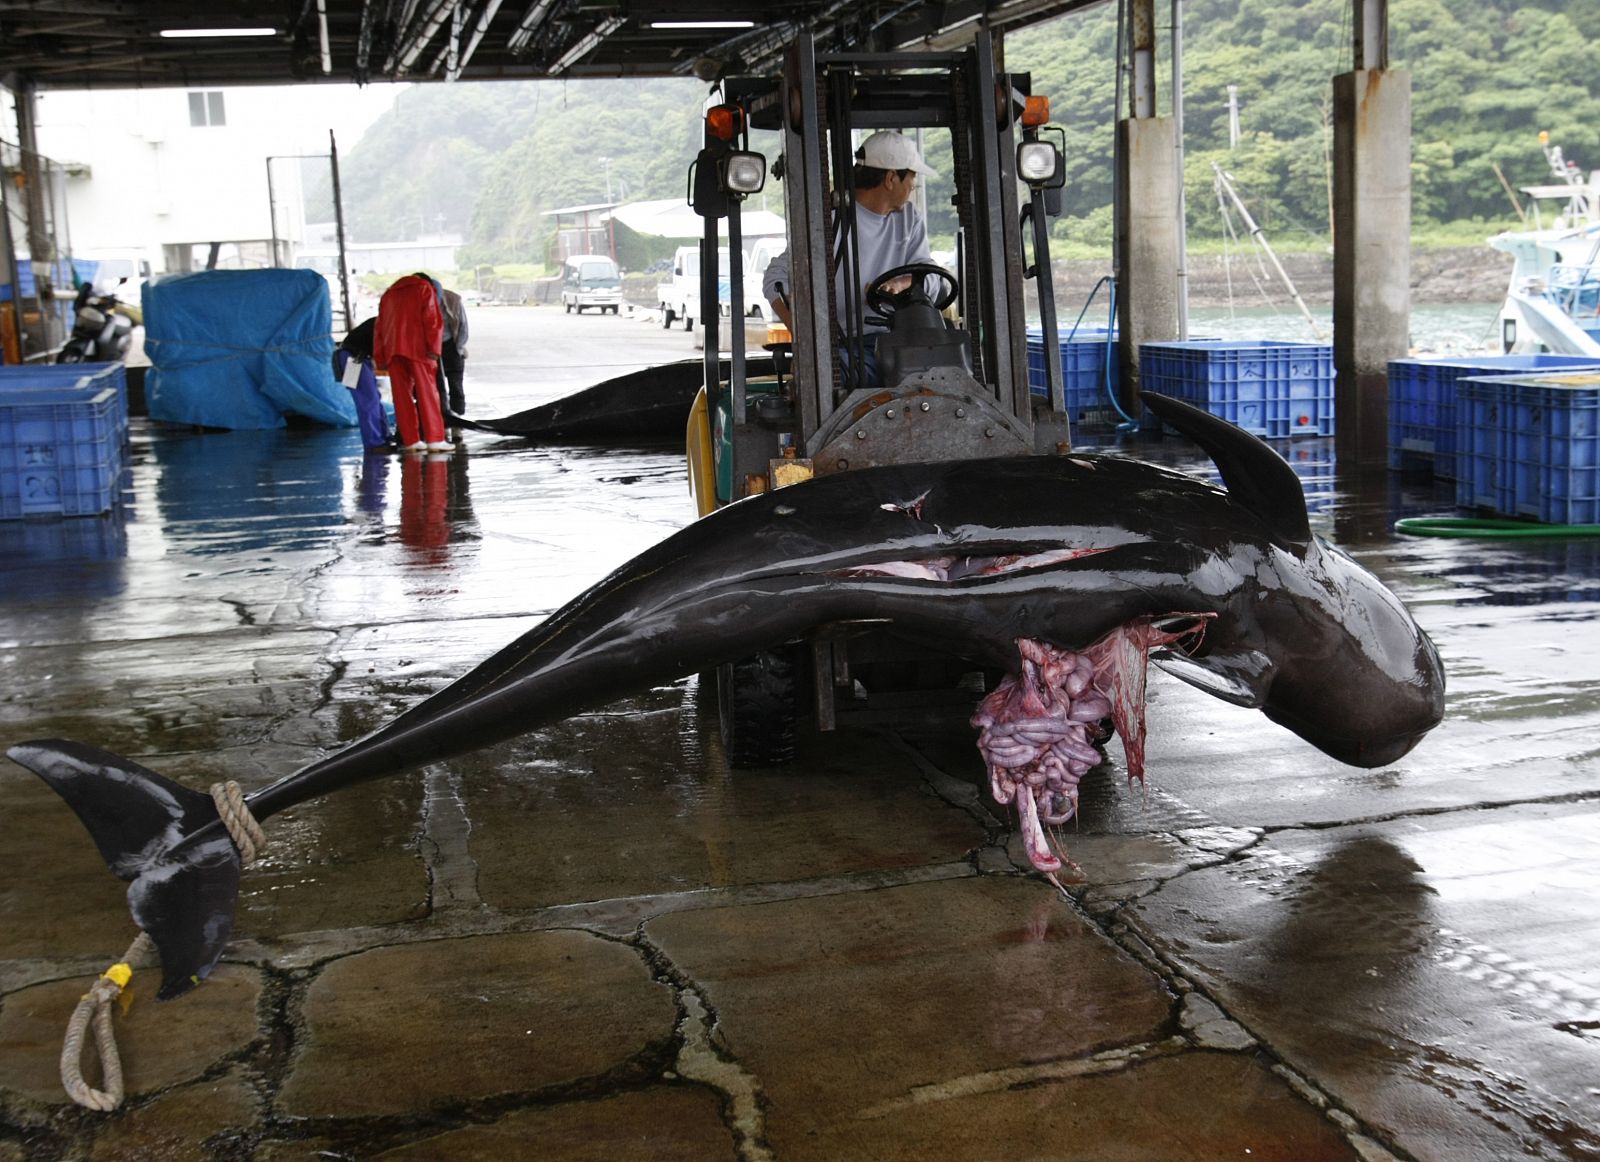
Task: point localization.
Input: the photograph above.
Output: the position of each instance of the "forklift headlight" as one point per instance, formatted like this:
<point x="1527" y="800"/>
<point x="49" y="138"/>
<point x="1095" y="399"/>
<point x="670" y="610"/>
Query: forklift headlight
<point x="744" y="172"/>
<point x="1039" y="164"/>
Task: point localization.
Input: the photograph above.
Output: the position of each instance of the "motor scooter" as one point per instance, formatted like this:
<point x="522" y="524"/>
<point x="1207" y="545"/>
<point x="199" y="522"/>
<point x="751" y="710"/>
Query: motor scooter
<point x="102" y="328"/>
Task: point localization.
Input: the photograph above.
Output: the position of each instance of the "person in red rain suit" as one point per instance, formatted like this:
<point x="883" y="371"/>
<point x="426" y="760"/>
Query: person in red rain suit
<point x="407" y="341"/>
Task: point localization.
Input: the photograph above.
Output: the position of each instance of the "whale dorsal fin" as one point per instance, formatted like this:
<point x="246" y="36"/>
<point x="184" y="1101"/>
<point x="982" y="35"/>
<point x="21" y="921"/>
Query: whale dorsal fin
<point x="1255" y="475"/>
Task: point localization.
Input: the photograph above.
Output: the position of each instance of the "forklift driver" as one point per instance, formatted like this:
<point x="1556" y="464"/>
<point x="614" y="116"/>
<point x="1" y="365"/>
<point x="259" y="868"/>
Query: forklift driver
<point x="891" y="232"/>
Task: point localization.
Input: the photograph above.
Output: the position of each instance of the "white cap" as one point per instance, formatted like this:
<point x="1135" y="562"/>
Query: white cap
<point x="887" y="149"/>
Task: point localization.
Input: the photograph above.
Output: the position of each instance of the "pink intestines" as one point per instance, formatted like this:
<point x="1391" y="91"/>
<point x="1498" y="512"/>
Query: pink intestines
<point x="1037" y="731"/>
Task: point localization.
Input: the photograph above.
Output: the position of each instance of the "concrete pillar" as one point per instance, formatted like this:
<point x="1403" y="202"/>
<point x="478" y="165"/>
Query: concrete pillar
<point x="1148" y="185"/>
<point x="1371" y="254"/>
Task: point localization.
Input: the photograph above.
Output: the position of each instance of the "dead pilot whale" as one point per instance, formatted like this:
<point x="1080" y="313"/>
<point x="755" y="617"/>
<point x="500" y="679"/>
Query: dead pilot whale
<point x="1027" y="564"/>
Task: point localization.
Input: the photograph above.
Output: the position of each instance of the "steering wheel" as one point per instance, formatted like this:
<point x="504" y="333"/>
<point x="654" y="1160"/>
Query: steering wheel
<point x="886" y="302"/>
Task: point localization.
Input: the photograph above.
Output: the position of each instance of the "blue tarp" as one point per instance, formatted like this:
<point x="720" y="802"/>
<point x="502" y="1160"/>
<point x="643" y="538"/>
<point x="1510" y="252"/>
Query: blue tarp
<point x="241" y="348"/>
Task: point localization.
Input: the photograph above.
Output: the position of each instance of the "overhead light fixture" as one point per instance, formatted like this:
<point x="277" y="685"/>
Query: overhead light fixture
<point x="181" y="33"/>
<point x="681" y="24"/>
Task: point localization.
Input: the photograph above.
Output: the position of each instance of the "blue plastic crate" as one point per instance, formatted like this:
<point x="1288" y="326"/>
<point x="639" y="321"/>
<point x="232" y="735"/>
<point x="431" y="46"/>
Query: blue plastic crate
<point x="1084" y="366"/>
<point x="91" y="378"/>
<point x="1529" y="446"/>
<point x="60" y="452"/>
<point x="1422" y="402"/>
<point x="1483" y="444"/>
<point x="1542" y="433"/>
<point x="1272" y="389"/>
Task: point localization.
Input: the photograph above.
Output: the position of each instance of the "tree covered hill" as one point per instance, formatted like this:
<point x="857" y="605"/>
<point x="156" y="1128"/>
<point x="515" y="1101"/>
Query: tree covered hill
<point x="487" y="160"/>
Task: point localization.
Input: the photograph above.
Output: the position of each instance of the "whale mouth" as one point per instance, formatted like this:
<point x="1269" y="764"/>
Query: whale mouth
<point x="952" y="567"/>
<point x="1356" y="752"/>
<point x="1040" y="730"/>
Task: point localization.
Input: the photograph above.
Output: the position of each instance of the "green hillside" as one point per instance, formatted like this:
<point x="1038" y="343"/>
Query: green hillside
<point x="487" y="160"/>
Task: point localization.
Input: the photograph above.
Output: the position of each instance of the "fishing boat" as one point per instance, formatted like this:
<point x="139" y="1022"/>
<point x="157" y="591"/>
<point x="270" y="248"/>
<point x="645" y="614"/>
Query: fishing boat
<point x="1553" y="302"/>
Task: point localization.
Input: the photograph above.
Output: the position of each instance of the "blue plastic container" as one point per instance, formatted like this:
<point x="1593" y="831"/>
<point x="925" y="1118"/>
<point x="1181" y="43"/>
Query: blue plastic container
<point x="91" y="377"/>
<point x="1535" y="445"/>
<point x="1422" y="403"/>
<point x="1272" y="389"/>
<point x="1084" y="364"/>
<point x="1483" y="463"/>
<point x="60" y="451"/>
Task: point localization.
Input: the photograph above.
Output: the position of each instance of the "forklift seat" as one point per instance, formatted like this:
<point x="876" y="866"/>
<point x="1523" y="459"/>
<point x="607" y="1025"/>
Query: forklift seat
<point x="921" y="340"/>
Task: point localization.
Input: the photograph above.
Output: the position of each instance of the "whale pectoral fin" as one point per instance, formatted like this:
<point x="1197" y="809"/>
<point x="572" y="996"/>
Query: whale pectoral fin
<point x="1255" y="475"/>
<point x="185" y="902"/>
<point x="1242" y="678"/>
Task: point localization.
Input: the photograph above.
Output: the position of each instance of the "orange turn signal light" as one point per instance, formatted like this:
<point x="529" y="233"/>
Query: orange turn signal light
<point x="724" y="121"/>
<point x="1035" y="112"/>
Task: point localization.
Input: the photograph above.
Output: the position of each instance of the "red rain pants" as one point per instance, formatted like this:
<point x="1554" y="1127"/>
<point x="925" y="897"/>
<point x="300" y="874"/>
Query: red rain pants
<point x="416" y="395"/>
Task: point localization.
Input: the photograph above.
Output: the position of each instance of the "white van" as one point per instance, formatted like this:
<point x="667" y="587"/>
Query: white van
<point x="591" y="280"/>
<point x="679" y="297"/>
<point x="760" y="253"/>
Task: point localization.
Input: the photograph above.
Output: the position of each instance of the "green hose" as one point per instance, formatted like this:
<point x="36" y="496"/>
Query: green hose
<point x="1485" y="527"/>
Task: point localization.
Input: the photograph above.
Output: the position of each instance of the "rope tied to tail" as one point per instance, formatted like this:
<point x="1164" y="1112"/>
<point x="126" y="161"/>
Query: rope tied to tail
<point x="94" y="1007"/>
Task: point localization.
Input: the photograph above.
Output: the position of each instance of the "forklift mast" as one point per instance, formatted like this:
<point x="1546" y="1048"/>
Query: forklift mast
<point x="952" y="365"/>
<point x="956" y="396"/>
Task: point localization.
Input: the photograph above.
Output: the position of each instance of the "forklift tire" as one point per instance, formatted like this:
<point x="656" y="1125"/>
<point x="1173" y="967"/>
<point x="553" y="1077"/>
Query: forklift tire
<point x="666" y="318"/>
<point x="569" y="308"/>
<point x="688" y="323"/>
<point x="757" y="708"/>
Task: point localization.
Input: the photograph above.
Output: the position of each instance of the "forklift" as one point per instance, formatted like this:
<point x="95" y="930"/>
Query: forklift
<point x="952" y="365"/>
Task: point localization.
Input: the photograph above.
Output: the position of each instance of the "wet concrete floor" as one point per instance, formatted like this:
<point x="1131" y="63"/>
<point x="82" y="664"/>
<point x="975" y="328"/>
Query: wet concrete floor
<point x="598" y="942"/>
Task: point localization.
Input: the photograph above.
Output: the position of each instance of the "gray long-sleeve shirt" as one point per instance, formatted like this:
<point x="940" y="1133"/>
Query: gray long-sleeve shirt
<point x="885" y="240"/>
<point x="455" y="318"/>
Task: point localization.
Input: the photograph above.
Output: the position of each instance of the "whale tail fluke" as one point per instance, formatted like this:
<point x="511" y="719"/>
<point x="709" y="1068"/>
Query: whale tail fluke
<point x="183" y="875"/>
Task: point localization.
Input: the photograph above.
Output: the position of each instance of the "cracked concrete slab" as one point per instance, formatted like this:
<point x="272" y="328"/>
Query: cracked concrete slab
<point x="840" y="1003"/>
<point x="459" y="1021"/>
<point x="1432" y="953"/>
<point x="1195" y="1105"/>
<point x="210" y="1118"/>
<point x="678" y="1124"/>
<point x="161" y="1044"/>
<point x="588" y="809"/>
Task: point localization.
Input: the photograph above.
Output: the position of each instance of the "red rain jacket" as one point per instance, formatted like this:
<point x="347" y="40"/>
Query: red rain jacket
<point x="409" y="322"/>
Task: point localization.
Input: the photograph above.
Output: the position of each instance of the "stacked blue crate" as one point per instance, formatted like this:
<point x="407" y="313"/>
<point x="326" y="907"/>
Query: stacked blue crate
<point x="1089" y="375"/>
<point x="1530" y="446"/>
<point x="1272" y="389"/>
<point x="45" y="376"/>
<point x="1482" y="443"/>
<point x="61" y="441"/>
<point x="1422" y="402"/>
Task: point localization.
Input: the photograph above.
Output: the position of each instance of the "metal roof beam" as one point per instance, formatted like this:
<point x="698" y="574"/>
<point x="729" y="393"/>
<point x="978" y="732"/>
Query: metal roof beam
<point x="408" y="48"/>
<point x="532" y="20"/>
<point x="587" y="43"/>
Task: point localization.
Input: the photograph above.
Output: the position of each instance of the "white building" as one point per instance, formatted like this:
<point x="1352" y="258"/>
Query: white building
<point x="179" y="178"/>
